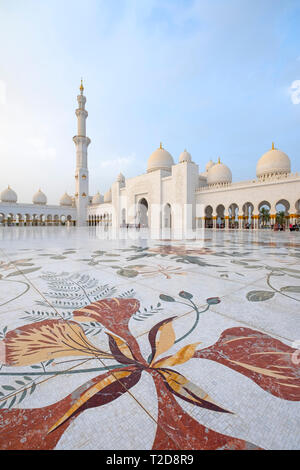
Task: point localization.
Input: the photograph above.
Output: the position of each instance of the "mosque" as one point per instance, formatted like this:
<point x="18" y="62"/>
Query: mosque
<point x="169" y="195"/>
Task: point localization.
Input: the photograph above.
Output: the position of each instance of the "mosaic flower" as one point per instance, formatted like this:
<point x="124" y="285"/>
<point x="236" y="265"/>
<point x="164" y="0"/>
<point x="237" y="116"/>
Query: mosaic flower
<point x="150" y="271"/>
<point x="179" y="250"/>
<point x="246" y="351"/>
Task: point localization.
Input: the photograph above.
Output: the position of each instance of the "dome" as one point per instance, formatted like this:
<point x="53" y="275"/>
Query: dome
<point x="160" y="159"/>
<point x="39" y="198"/>
<point x="209" y="165"/>
<point x="273" y="162"/>
<point x="8" y="195"/>
<point x="219" y="174"/>
<point x="120" y="178"/>
<point x="65" y="200"/>
<point x="97" y="199"/>
<point x="107" y="196"/>
<point x="185" y="157"/>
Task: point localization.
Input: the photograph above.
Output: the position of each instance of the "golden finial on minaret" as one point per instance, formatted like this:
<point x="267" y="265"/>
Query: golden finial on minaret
<point x="273" y="146"/>
<point x="219" y="160"/>
<point x="81" y="87"/>
<point x="160" y="145"/>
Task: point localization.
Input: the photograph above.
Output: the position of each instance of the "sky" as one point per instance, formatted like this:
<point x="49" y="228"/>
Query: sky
<point x="217" y="77"/>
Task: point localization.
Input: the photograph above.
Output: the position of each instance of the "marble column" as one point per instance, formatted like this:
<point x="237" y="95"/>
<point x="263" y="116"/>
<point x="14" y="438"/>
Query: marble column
<point x="255" y="218"/>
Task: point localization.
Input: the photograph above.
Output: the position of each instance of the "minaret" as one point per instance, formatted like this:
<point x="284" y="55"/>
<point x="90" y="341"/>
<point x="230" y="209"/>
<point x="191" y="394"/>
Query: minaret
<point x="81" y="175"/>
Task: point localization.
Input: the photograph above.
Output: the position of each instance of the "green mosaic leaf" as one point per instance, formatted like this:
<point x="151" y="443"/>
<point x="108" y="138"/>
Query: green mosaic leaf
<point x="295" y="289"/>
<point x="23" y="271"/>
<point x="23" y="395"/>
<point x="185" y="295"/>
<point x="12" y="402"/>
<point x="166" y="298"/>
<point x="127" y="272"/>
<point x="259" y="295"/>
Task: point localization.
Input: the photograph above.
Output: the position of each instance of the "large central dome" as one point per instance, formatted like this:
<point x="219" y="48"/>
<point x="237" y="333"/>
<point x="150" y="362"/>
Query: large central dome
<point x="160" y="159"/>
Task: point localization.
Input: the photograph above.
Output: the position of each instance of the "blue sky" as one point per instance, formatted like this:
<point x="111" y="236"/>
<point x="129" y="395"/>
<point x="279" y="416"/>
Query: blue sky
<point x="218" y="77"/>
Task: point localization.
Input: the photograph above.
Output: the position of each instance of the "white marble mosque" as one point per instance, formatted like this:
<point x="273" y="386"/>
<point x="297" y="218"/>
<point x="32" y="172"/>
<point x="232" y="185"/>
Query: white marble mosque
<point x="170" y="195"/>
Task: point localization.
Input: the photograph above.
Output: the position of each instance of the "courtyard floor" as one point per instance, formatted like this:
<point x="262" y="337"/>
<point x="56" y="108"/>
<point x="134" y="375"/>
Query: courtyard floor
<point x="149" y="344"/>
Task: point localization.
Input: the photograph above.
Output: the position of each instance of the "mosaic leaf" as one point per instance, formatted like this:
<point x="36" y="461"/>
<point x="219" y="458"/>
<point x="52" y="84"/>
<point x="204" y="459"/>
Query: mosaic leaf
<point x="185" y="295"/>
<point x="166" y="298"/>
<point x="259" y="295"/>
<point x="213" y="300"/>
<point x="23" y="271"/>
<point x="127" y="272"/>
<point x="294" y="289"/>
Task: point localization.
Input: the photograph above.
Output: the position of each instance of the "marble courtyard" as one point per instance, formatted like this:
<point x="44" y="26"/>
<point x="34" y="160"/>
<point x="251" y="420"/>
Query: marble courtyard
<point x="137" y="343"/>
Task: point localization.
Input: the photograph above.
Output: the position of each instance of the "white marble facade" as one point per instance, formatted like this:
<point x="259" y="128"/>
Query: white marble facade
<point x="169" y="195"/>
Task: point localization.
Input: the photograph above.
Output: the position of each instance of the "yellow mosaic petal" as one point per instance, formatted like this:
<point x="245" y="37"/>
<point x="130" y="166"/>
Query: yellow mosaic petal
<point x="113" y="377"/>
<point x="123" y="347"/>
<point x="182" y="356"/>
<point x="166" y="339"/>
<point x="189" y="391"/>
<point x="31" y="344"/>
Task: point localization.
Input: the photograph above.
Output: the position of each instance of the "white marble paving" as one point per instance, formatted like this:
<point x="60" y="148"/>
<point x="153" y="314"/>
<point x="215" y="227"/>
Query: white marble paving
<point x="252" y="277"/>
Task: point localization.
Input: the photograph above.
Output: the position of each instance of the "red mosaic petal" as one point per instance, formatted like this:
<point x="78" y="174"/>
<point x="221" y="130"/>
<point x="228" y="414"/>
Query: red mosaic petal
<point x="22" y="429"/>
<point x="114" y="314"/>
<point x="263" y="359"/>
<point x="176" y="430"/>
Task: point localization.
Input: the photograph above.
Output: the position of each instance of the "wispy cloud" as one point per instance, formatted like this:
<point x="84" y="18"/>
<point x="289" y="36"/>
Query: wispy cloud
<point x="295" y="92"/>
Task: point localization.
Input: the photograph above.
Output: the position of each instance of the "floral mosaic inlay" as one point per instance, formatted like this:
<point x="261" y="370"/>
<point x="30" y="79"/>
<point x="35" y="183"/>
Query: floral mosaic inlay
<point x="201" y="340"/>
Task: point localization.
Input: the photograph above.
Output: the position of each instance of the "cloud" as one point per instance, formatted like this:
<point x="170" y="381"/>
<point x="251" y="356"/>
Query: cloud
<point x="295" y="92"/>
<point x="2" y="92"/>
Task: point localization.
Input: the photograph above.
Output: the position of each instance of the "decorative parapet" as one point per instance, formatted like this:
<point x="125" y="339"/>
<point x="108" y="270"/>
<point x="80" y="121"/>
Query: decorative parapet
<point x="255" y="183"/>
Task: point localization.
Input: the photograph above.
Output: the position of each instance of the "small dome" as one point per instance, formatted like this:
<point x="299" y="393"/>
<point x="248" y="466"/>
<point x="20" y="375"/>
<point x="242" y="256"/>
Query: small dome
<point x="185" y="157"/>
<point x="8" y="195"/>
<point x="97" y="199"/>
<point x="160" y="159"/>
<point x="39" y="198"/>
<point x="219" y="174"/>
<point x="209" y="165"/>
<point x="273" y="162"/>
<point x="65" y="200"/>
<point x="120" y="178"/>
<point x="107" y="196"/>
